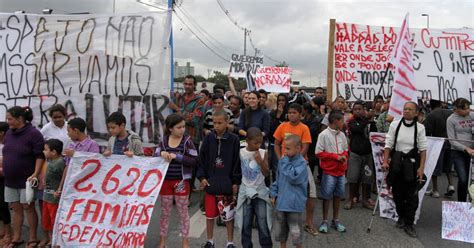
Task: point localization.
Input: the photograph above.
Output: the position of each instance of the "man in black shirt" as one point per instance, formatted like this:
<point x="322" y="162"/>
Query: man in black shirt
<point x="435" y="124"/>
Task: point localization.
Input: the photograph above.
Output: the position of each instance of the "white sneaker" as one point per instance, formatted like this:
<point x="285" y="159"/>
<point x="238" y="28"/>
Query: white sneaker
<point x="435" y="194"/>
<point x="451" y="189"/>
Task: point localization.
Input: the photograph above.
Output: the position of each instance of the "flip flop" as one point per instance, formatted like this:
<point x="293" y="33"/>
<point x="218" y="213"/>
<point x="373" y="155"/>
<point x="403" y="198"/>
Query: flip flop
<point x="348" y="206"/>
<point x="44" y="243"/>
<point x="310" y="230"/>
<point x="15" y="243"/>
<point x="5" y="241"/>
<point x="32" y="242"/>
<point x="368" y="206"/>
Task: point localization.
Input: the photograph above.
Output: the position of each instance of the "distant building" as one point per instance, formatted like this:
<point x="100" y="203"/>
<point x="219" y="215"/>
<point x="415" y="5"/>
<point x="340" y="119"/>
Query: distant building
<point x="183" y="71"/>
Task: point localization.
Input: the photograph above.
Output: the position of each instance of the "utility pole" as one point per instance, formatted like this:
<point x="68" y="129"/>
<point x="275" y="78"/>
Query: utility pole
<point x="208" y="73"/>
<point x="245" y="41"/>
<point x="256" y="52"/>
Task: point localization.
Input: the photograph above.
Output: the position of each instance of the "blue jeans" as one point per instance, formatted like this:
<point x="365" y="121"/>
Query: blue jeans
<point x="255" y="207"/>
<point x="461" y="161"/>
<point x="332" y="186"/>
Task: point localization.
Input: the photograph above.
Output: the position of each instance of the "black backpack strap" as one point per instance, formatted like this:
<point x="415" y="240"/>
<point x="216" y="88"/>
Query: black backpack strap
<point x="396" y="134"/>
<point x="415" y="142"/>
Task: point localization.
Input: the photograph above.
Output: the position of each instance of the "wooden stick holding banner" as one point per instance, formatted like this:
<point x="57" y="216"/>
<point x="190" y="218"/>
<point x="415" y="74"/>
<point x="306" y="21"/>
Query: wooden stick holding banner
<point x="330" y="76"/>
<point x="382" y="81"/>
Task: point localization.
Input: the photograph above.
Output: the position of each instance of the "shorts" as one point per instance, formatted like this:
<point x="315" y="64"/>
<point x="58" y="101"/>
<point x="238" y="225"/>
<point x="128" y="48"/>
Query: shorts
<point x="15" y="195"/>
<point x="311" y="185"/>
<point x="332" y="186"/>
<point x="175" y="187"/>
<point x="222" y="206"/>
<point x="289" y="223"/>
<point x="444" y="163"/>
<point x="49" y="215"/>
<point x="360" y="168"/>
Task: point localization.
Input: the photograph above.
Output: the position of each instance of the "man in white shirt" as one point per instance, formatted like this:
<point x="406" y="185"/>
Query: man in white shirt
<point x="406" y="145"/>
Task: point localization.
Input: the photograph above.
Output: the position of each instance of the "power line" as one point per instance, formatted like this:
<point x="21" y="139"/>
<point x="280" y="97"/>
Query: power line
<point x="224" y="48"/>
<point x="229" y="16"/>
<point x="274" y="60"/>
<point x="212" y="50"/>
<point x="151" y="5"/>
<point x="199" y="31"/>
<point x="226" y="11"/>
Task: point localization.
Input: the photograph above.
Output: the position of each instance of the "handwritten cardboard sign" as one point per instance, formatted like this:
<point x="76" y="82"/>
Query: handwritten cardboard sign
<point x="442" y="61"/>
<point x="108" y="202"/>
<point x="240" y="64"/>
<point x="273" y="79"/>
<point x="387" y="205"/>
<point x="92" y="64"/>
<point x="458" y="221"/>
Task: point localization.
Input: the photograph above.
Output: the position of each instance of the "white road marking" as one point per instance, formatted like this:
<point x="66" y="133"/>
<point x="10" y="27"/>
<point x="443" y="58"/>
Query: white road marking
<point x="197" y="224"/>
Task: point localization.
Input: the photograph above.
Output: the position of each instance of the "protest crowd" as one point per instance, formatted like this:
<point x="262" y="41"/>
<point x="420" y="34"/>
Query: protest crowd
<point x="257" y="158"/>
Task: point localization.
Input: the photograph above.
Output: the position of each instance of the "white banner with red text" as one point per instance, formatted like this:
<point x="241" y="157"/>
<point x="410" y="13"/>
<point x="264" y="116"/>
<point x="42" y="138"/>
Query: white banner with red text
<point x="443" y="62"/>
<point x="386" y="203"/>
<point x="273" y="79"/>
<point x="108" y="201"/>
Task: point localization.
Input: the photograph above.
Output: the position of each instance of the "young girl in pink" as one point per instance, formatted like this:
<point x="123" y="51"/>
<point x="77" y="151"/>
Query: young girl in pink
<point x="179" y="150"/>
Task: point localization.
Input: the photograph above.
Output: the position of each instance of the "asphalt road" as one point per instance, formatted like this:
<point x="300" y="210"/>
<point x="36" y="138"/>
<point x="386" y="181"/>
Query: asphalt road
<point x="383" y="234"/>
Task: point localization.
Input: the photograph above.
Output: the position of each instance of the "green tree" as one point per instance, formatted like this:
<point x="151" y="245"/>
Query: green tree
<point x="282" y="64"/>
<point x="199" y="79"/>
<point x="221" y="79"/>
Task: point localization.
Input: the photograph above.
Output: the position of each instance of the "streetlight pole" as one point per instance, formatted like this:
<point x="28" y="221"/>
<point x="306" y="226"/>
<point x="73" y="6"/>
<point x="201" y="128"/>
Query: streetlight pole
<point x="427" y="20"/>
<point x="245" y="41"/>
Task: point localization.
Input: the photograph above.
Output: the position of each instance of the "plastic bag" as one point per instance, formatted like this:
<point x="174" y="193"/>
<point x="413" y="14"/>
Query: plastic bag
<point x="30" y="192"/>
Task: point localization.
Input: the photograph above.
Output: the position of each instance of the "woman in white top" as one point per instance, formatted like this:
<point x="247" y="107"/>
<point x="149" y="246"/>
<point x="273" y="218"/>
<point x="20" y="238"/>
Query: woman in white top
<point x="406" y="145"/>
<point x="57" y="127"/>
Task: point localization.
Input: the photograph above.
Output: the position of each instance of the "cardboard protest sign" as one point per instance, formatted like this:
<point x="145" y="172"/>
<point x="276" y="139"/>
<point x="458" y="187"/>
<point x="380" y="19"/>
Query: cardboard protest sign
<point x="92" y="64"/>
<point x="386" y="203"/>
<point x="108" y="201"/>
<point x="442" y="62"/>
<point x="458" y="221"/>
<point x="240" y="64"/>
<point x="273" y="79"/>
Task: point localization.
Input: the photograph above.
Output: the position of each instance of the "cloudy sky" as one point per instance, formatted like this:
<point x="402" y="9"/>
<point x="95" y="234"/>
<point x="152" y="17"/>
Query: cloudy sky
<point x="295" y="31"/>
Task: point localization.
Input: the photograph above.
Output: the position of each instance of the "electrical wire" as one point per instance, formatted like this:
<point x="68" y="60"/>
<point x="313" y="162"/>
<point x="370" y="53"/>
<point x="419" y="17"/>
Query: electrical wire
<point x="229" y="16"/>
<point x="217" y="44"/>
<point x="274" y="60"/>
<point x="204" y="43"/>
<point x="151" y="5"/>
<point x="191" y="18"/>
<point x="226" y="11"/>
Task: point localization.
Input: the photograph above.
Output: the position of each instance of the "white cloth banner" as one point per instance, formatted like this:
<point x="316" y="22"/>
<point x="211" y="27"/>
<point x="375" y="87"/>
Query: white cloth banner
<point x="404" y="80"/>
<point x="458" y="221"/>
<point x="386" y="203"/>
<point x="92" y="64"/>
<point x="273" y="79"/>
<point x="108" y="201"/>
<point x="442" y="61"/>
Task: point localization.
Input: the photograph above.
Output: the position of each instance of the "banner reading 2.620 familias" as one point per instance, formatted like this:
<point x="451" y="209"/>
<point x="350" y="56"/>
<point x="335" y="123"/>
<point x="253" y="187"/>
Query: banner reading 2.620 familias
<point x="443" y="61"/>
<point x="92" y="64"/>
<point x="108" y="201"/>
